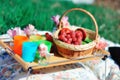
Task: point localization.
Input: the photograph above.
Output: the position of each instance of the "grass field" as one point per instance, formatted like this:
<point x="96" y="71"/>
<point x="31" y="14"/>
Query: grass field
<point x="39" y="12"/>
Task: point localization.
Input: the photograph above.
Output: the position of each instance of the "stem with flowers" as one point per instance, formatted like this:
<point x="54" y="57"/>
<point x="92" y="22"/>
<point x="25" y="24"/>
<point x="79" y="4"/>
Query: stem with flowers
<point x="64" y="21"/>
<point x="28" y="30"/>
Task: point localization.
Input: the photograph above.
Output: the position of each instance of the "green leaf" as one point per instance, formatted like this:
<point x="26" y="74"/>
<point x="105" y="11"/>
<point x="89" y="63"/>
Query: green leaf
<point x="83" y="43"/>
<point x="87" y="40"/>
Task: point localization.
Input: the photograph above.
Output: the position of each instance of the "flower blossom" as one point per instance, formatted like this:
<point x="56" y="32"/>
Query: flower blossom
<point x="29" y="30"/>
<point x="15" y="31"/>
<point x="43" y="50"/>
<point x="101" y="45"/>
<point x="64" y="20"/>
<point x="56" y="19"/>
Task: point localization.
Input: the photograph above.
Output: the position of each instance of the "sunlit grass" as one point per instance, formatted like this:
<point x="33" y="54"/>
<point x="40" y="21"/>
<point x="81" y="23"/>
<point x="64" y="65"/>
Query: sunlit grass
<point x="39" y="12"/>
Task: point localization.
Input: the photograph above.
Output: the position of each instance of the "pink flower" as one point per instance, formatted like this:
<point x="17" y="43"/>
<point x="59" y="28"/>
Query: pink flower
<point x="56" y="19"/>
<point x="43" y="50"/>
<point x="11" y="33"/>
<point x="42" y="53"/>
<point x="64" y="20"/>
<point x="29" y="30"/>
<point x="43" y="47"/>
<point x="14" y="31"/>
<point x="101" y="45"/>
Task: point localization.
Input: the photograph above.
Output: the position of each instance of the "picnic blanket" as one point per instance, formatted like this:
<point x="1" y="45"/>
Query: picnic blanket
<point x="90" y="70"/>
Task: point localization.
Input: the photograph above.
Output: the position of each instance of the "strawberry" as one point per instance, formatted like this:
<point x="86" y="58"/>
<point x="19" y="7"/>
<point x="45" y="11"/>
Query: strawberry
<point x="72" y="37"/>
<point x="83" y="33"/>
<point x="68" y="36"/>
<point x="78" y="34"/>
<point x="66" y="30"/>
<point x="72" y="33"/>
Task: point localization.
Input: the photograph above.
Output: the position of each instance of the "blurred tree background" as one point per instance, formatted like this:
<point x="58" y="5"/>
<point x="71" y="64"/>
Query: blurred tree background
<point x="15" y="13"/>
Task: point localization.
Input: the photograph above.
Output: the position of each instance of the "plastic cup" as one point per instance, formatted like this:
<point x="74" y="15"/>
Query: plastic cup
<point x="18" y="40"/>
<point x="28" y="51"/>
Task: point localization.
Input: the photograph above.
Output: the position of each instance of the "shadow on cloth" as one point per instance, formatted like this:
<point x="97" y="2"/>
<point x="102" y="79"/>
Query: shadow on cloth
<point x="115" y="54"/>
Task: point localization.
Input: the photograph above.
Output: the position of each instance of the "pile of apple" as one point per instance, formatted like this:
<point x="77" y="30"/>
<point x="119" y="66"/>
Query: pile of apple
<point x="72" y="36"/>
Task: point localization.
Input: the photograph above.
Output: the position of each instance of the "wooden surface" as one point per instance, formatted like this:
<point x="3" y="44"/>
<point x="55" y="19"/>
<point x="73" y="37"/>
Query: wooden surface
<point x="58" y="60"/>
<point x="55" y="60"/>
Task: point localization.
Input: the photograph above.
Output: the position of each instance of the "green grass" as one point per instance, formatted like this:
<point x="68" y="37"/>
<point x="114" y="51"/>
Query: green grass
<point x="39" y="12"/>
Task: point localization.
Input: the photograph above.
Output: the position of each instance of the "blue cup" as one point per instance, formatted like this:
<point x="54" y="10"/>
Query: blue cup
<point x="28" y="51"/>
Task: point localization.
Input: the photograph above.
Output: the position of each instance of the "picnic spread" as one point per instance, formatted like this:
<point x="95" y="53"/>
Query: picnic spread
<point x="10" y="69"/>
<point x="68" y="53"/>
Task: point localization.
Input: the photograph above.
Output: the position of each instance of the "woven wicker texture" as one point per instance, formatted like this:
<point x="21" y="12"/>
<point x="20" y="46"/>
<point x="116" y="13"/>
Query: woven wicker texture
<point x="70" y="50"/>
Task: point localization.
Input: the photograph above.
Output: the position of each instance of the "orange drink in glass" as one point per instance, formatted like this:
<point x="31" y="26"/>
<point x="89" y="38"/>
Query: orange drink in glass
<point x="18" y="41"/>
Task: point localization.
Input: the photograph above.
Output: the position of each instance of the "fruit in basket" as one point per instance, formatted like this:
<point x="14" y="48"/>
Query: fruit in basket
<point x="87" y="40"/>
<point x="49" y="37"/>
<point x="72" y="37"/>
<point x="83" y="33"/>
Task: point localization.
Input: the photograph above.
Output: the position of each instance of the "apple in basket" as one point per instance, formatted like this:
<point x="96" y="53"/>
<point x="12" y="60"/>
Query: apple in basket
<point x="72" y="37"/>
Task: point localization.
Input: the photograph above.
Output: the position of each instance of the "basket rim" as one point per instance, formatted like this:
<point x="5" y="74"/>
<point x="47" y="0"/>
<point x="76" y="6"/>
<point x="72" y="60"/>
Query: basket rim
<point x="74" y="47"/>
<point x="81" y="10"/>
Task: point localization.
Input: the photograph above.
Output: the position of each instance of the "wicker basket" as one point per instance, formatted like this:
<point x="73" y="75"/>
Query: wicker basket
<point x="73" y="51"/>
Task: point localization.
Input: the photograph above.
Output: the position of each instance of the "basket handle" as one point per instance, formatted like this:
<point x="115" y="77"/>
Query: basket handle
<point x="82" y="10"/>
